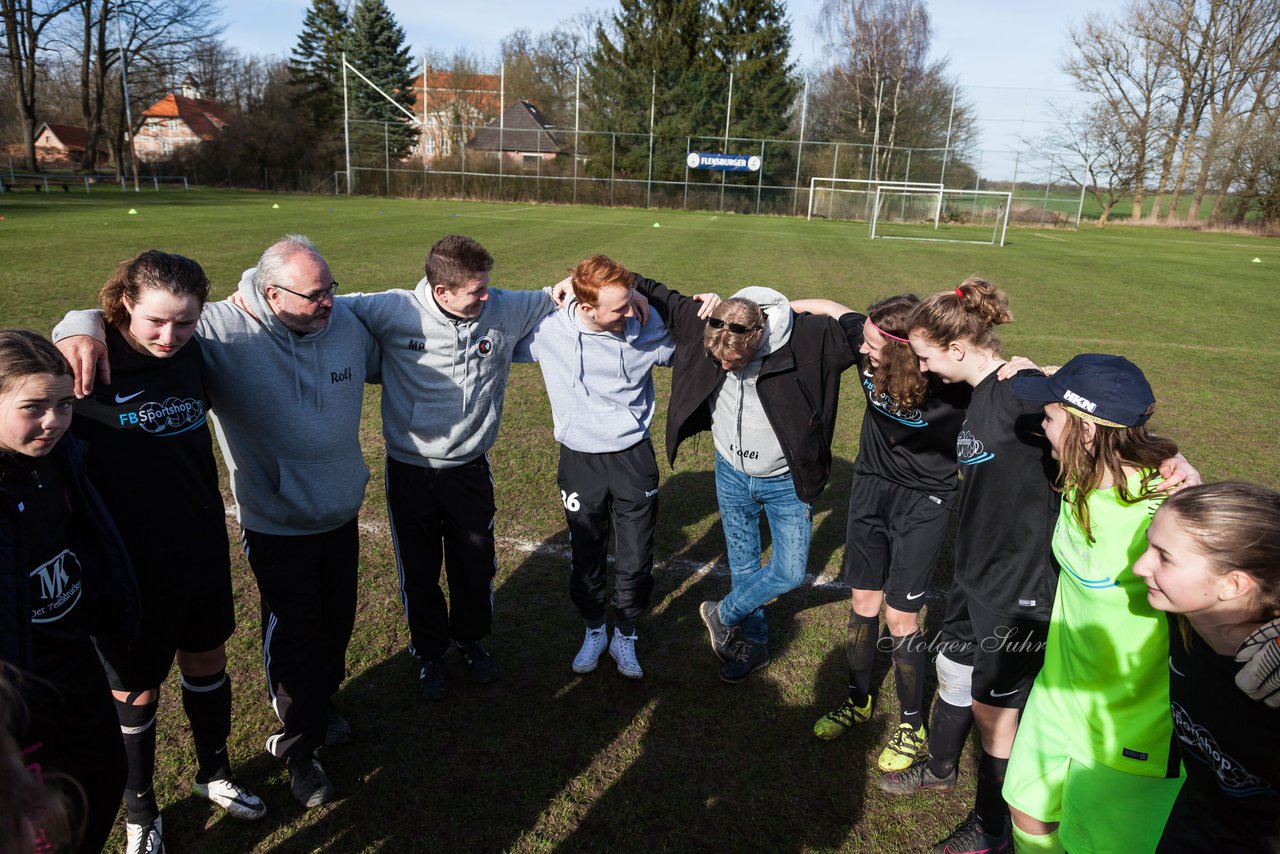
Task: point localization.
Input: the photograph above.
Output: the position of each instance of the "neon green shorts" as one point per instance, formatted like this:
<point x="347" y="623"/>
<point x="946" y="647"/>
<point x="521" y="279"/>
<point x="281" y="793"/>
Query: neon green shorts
<point x="1100" y="810"/>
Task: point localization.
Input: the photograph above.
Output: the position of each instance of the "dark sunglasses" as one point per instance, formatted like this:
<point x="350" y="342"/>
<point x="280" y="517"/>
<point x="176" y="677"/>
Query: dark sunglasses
<point x="735" y="328"/>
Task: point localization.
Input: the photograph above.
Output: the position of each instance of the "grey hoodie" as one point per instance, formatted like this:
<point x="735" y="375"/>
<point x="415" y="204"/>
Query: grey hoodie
<point x="740" y="428"/>
<point x="286" y="408"/>
<point x="444" y="378"/>
<point x="600" y="384"/>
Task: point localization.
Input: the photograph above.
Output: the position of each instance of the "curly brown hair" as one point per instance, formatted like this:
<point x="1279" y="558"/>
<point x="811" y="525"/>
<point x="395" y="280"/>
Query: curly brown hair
<point x="898" y="373"/>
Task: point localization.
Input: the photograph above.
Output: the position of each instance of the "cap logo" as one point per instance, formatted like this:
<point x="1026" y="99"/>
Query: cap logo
<point x="1079" y="402"/>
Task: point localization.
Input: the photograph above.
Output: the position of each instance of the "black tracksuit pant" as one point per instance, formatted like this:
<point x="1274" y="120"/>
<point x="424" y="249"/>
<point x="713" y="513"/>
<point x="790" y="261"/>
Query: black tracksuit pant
<point x="443" y="515"/>
<point x="600" y="491"/>
<point x="307" y="585"/>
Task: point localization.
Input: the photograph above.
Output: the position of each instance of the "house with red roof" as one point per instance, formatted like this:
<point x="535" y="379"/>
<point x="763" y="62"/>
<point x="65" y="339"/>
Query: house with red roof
<point x="63" y="145"/>
<point x="177" y="120"/>
<point x="452" y="105"/>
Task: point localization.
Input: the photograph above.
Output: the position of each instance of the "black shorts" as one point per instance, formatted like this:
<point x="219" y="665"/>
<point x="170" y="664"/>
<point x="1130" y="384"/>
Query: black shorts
<point x="893" y="540"/>
<point x="1005" y="653"/>
<point x="196" y="617"/>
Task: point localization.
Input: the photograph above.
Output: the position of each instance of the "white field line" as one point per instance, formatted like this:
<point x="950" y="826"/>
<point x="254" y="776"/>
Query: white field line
<point x="1047" y="236"/>
<point x="674" y="566"/>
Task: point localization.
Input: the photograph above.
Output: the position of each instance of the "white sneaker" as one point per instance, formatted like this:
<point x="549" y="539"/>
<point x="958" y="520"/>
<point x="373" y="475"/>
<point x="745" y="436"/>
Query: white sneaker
<point x="232" y="797"/>
<point x="593" y="644"/>
<point x="623" y="650"/>
<point x="143" y="838"/>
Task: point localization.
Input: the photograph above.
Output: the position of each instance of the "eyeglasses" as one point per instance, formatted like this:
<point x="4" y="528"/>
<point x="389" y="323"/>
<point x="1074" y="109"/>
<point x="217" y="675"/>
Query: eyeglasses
<point x="315" y="297"/>
<point x="735" y="328"/>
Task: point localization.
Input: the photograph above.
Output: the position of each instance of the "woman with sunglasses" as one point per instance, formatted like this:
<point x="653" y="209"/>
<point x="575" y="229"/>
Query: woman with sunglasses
<point x="765" y="381"/>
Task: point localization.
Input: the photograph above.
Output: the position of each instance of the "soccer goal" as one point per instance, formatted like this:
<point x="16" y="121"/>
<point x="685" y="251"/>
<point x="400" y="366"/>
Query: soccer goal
<point x="964" y="216"/>
<point x="851" y="198"/>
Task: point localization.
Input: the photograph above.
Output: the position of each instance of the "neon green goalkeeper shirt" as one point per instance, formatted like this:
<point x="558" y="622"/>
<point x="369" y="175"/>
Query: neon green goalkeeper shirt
<point x="1105" y="681"/>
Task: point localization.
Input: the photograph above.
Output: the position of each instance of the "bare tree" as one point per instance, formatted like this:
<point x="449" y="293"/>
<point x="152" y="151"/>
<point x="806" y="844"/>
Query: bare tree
<point x="1250" y="35"/>
<point x="25" y="25"/>
<point x="881" y="88"/>
<point x="1117" y="61"/>
<point x="1096" y="150"/>
<point x="544" y="69"/>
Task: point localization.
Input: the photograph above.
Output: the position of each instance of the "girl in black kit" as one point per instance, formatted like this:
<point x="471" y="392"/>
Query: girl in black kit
<point x="992" y="641"/>
<point x="904" y="483"/>
<point x="1213" y="563"/>
<point x="64" y="575"/>
<point x="151" y="456"/>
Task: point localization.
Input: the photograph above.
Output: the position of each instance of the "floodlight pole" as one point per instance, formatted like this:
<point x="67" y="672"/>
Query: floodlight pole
<point x="346" y="121"/>
<point x="875" y="140"/>
<point x="424" y="113"/>
<point x="653" y="111"/>
<point x="728" y="113"/>
<point x="804" y="110"/>
<point x="128" y="111"/>
<point x="946" y="151"/>
<point x="577" y="108"/>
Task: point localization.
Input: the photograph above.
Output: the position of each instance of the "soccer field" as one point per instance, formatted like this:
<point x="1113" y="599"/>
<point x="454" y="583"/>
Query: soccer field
<point x="548" y="761"/>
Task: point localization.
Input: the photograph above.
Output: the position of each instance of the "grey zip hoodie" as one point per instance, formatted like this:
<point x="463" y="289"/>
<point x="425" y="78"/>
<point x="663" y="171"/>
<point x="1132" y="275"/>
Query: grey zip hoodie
<point x="286" y="409"/>
<point x="444" y="378"/>
<point x="600" y="384"/>
<point x="740" y="428"/>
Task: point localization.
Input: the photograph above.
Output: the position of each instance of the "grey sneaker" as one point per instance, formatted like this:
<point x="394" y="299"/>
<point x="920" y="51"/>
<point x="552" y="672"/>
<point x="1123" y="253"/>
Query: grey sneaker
<point x="915" y="778"/>
<point x="622" y="649"/>
<point x="747" y="658"/>
<point x="593" y="644"/>
<point x="338" y="732"/>
<point x="309" y="784"/>
<point x="232" y="797"/>
<point x="143" y="838"/>
<point x="718" y="631"/>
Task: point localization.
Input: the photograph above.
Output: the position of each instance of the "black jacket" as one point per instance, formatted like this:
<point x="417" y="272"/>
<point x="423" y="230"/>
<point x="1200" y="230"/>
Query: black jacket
<point x="799" y="385"/>
<point x="110" y="589"/>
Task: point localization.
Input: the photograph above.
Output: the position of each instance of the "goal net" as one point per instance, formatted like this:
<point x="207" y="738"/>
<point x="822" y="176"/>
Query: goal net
<point x="964" y="216"/>
<point x="851" y="198"/>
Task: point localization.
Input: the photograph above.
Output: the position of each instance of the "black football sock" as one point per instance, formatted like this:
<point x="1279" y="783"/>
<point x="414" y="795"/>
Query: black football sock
<point x="909" y="661"/>
<point x="860" y="652"/>
<point x="990" y="804"/>
<point x="138" y="727"/>
<point x="947" y="733"/>
<point x="207" y="701"/>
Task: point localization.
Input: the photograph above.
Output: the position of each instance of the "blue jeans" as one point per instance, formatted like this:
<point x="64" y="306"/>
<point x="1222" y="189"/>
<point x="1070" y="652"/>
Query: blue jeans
<point x="741" y="498"/>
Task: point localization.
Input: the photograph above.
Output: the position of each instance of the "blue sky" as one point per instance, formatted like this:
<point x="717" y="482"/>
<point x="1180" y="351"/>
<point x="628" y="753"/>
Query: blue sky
<point x="1004" y="52"/>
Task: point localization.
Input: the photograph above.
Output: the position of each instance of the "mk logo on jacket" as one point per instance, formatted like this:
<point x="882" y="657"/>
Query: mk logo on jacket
<point x="416" y="344"/>
<point x="969" y="449"/>
<point x="55" y="587"/>
<point x="885" y="405"/>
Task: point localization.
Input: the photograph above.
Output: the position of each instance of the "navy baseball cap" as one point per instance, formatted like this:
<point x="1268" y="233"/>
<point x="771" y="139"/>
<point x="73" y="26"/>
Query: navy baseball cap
<point x="1108" y="390"/>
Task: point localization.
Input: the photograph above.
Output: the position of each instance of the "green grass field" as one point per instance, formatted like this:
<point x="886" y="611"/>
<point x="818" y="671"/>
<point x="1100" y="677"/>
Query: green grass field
<point x="548" y="761"/>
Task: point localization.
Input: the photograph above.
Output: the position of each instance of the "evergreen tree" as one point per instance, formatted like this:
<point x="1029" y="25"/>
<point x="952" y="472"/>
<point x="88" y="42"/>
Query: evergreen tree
<point x="752" y="39"/>
<point x="376" y="46"/>
<point x="315" y="66"/>
<point x="659" y="52"/>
